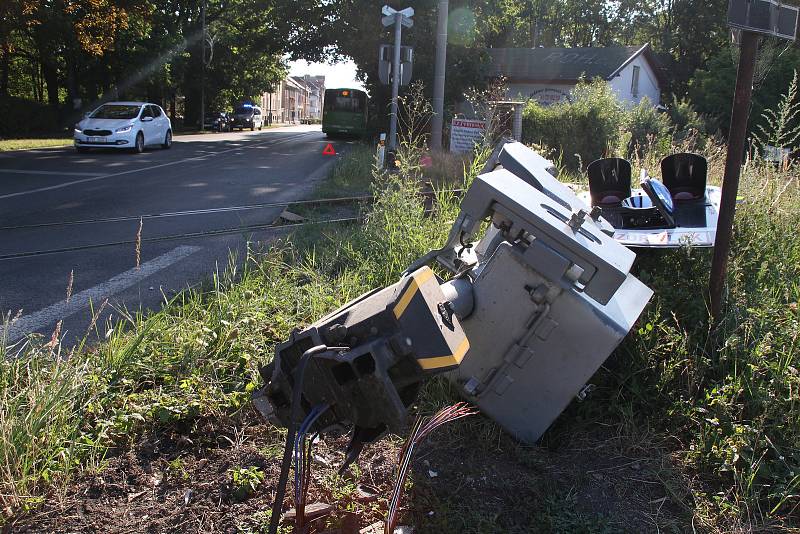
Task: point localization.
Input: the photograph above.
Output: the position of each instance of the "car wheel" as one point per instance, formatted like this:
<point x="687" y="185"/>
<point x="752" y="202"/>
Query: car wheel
<point x="252" y="128"/>
<point x="167" y="140"/>
<point x="259" y="128"/>
<point x="138" y="146"/>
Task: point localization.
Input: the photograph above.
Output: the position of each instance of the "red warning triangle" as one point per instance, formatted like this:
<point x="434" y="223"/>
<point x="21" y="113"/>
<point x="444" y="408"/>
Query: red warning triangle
<point x="329" y="151"/>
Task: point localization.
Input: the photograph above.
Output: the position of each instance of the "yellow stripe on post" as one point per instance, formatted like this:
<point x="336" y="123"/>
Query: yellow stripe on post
<point x="417" y="280"/>
<point x="445" y="361"/>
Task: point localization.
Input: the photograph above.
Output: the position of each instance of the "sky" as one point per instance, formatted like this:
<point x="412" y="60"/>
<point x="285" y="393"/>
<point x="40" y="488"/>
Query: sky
<point x="336" y="75"/>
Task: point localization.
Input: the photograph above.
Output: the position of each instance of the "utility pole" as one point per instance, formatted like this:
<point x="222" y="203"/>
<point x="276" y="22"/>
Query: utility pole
<point x="439" y="75"/>
<point x="203" y="69"/>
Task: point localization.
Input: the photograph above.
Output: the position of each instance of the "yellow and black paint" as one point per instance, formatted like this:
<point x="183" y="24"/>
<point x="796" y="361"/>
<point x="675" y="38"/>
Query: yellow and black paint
<point x="439" y="346"/>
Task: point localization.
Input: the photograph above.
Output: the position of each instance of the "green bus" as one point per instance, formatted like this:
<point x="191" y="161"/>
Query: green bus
<point x="344" y="112"/>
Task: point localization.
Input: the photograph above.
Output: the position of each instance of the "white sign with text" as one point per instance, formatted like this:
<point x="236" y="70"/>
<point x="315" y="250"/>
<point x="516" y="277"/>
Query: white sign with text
<point x="465" y="134"/>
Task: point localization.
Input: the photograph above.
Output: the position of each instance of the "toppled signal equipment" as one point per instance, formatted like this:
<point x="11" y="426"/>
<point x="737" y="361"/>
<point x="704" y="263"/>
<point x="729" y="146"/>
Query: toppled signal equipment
<point x="532" y="307"/>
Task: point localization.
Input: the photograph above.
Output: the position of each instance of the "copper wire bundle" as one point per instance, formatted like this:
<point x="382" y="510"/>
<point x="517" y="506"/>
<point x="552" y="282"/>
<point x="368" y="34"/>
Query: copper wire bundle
<point x="422" y="427"/>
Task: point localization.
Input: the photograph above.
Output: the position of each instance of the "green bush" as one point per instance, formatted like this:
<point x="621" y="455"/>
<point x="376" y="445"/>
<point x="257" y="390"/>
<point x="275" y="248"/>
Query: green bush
<point x="581" y="130"/>
<point x="730" y="393"/>
<point x="645" y="128"/>
<point x="688" y="126"/>
<point x="685" y="117"/>
<point x="594" y="124"/>
<point x="22" y="117"/>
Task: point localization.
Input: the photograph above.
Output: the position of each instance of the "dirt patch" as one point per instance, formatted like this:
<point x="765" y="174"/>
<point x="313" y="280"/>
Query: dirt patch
<point x="182" y="482"/>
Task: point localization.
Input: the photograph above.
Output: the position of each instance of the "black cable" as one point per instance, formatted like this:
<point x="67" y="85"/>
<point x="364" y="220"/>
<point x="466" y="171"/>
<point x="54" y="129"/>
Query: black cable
<point x="291" y="430"/>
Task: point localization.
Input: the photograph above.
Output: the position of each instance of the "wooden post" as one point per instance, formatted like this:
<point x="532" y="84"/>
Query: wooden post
<point x="733" y="167"/>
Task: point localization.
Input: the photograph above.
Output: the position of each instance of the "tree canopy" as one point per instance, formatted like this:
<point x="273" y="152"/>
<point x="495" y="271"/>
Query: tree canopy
<point x="73" y="53"/>
<point x="70" y="53"/>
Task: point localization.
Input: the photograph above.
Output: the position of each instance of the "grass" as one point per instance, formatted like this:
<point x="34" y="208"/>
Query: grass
<point x="712" y="415"/>
<point x="351" y="175"/>
<point x="26" y="144"/>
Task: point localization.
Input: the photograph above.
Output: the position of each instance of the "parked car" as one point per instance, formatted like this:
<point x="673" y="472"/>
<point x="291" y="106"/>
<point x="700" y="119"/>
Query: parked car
<point x="128" y="125"/>
<point x="221" y="121"/>
<point x="248" y="116"/>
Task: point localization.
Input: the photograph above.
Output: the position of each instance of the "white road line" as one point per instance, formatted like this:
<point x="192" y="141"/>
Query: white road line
<point x="52" y="173"/>
<point x="48" y="317"/>
<point x="113" y="175"/>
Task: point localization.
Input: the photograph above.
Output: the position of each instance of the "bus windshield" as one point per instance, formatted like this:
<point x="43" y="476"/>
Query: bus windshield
<point x="349" y="101"/>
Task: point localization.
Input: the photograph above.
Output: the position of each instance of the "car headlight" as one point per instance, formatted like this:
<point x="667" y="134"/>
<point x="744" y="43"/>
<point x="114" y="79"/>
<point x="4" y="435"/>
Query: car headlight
<point x="124" y="129"/>
<point x="78" y="128"/>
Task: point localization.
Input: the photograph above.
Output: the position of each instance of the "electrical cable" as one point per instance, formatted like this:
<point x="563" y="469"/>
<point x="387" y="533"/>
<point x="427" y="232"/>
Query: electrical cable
<point x="302" y="466"/>
<point x="312" y="417"/>
<point x="297" y="390"/>
<point x="422" y="427"/>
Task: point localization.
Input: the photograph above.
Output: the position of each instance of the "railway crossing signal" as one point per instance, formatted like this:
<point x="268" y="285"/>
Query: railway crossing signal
<point x="399" y="19"/>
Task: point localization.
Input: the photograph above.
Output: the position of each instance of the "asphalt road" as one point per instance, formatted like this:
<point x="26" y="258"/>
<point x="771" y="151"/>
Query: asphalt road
<point x="57" y="206"/>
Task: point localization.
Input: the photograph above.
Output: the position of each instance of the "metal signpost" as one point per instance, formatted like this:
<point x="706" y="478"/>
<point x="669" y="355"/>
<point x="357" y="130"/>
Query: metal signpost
<point x="752" y="18"/>
<point x="399" y="19"/>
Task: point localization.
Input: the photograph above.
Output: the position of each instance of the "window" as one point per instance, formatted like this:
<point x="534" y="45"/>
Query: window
<point x="156" y="111"/>
<point x="354" y="103"/>
<point x="635" y="82"/>
<point x="147" y="112"/>
<point x="116" y="111"/>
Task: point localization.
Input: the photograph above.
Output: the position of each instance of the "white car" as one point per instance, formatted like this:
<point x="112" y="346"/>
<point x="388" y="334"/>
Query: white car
<point x="130" y="125"/>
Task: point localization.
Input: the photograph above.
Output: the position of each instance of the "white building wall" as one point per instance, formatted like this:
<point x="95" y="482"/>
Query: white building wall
<point x="648" y="83"/>
<point x="545" y="93"/>
<point x="548" y="93"/>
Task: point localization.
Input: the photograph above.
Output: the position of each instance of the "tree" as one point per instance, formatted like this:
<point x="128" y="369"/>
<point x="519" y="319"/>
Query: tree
<point x="95" y="50"/>
<point x="711" y="88"/>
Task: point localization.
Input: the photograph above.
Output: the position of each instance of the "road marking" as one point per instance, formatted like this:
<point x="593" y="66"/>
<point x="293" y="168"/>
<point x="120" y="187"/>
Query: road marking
<point x="48" y="317"/>
<point x="170" y="163"/>
<point x="52" y="173"/>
